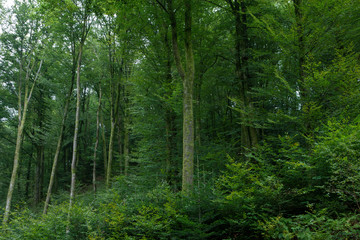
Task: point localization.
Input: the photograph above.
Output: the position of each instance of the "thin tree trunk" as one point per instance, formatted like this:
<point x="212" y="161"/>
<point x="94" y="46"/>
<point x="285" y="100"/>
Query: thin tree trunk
<point x="58" y="147"/>
<point x="120" y="142"/>
<point x="103" y="142"/>
<point x="15" y="167"/>
<point x="300" y="42"/>
<point x="126" y="145"/>
<point x="113" y="112"/>
<point x="27" y="186"/>
<point x="39" y="174"/>
<point x="169" y="113"/>
<point x="76" y="132"/>
<point x="110" y="155"/>
<point x="27" y="97"/>
<point x="114" y="119"/>
<point x="97" y="140"/>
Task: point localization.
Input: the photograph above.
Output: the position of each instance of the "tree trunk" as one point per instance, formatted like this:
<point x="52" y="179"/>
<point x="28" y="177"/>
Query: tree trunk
<point x="39" y="174"/>
<point x="114" y="105"/>
<point x="188" y="123"/>
<point x="170" y="144"/>
<point x="15" y="167"/>
<point x="110" y="155"/>
<point x="97" y="140"/>
<point x="22" y="118"/>
<point x="103" y="142"/>
<point x="187" y="76"/>
<point x="58" y="146"/>
<point x="249" y="137"/>
<point x="120" y="142"/>
<point x="28" y="172"/>
<point x="301" y="43"/>
<point x="126" y="145"/>
<point x="169" y="112"/>
<point x="76" y="132"/>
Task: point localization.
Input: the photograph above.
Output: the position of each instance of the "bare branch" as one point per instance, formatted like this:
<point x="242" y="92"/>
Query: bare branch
<point x="162" y="6"/>
<point x="36" y="77"/>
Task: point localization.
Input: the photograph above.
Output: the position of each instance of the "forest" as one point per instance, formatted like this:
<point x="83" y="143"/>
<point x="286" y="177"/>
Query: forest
<point x="180" y="119"/>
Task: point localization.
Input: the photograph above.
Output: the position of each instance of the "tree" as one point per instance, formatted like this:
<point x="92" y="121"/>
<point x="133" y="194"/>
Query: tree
<point x="26" y="29"/>
<point x="187" y="75"/>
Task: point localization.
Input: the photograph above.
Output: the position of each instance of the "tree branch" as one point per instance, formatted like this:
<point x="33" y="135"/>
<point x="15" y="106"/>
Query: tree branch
<point x="162" y="6"/>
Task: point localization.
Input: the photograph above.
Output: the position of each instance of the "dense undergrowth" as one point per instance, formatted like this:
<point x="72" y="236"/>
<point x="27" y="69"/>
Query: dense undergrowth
<point x="292" y="191"/>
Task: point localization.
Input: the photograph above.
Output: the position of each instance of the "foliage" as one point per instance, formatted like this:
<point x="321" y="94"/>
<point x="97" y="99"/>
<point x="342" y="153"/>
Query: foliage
<point x="276" y="119"/>
<point x="311" y="226"/>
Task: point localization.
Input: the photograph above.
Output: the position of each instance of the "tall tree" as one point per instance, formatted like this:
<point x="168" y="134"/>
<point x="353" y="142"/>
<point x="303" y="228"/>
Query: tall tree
<point x="84" y="7"/>
<point x="187" y="75"/>
<point x="26" y="30"/>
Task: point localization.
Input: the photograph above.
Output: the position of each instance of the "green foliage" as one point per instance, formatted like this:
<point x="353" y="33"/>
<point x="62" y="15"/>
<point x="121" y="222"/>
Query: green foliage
<point x="27" y="225"/>
<point x="154" y="214"/>
<point x="250" y="192"/>
<point x="311" y="226"/>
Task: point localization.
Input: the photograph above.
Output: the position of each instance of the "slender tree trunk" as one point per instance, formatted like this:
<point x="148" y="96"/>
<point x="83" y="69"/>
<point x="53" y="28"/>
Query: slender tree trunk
<point x="97" y="140"/>
<point x="300" y="42"/>
<point x="76" y="132"/>
<point x="103" y="142"/>
<point x="170" y="144"/>
<point x="198" y="113"/>
<point x="120" y="142"/>
<point x="114" y="119"/>
<point x="20" y="131"/>
<point x="15" y="167"/>
<point x="126" y="145"/>
<point x="58" y="146"/>
<point x="39" y="174"/>
<point x="27" y="186"/>
<point x="110" y="155"/>
<point x="169" y="113"/>
<point x="114" y="99"/>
